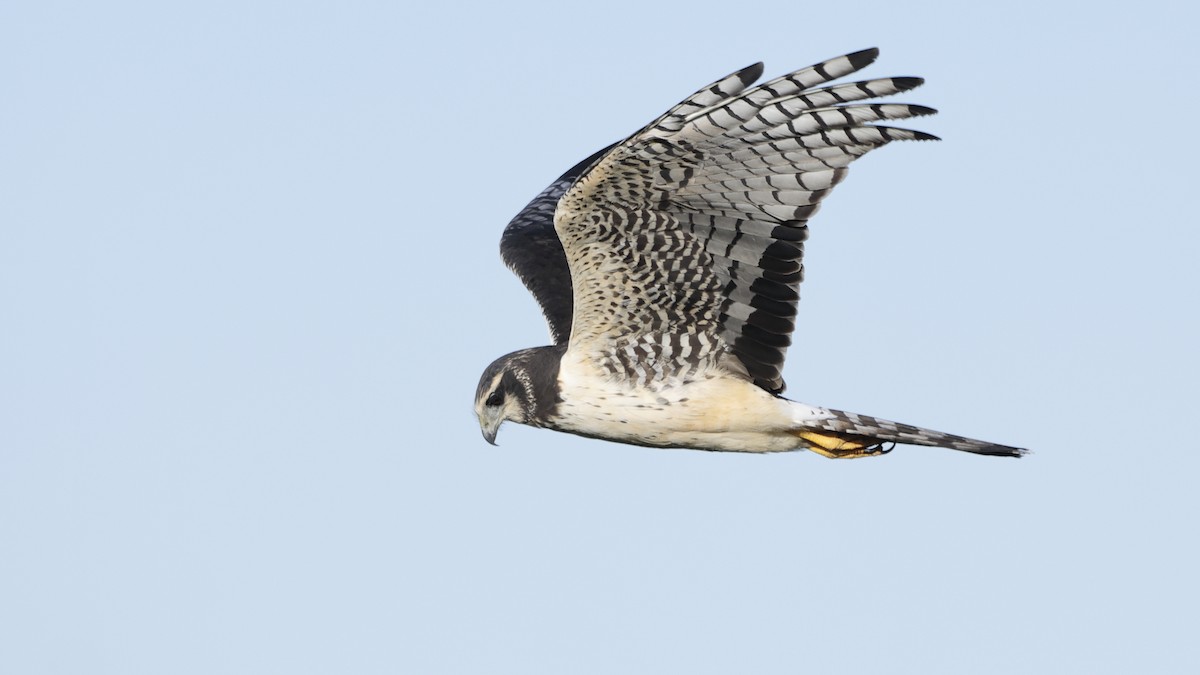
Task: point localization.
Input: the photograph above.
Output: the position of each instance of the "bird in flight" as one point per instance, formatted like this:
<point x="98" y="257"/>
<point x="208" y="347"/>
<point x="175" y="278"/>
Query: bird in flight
<point x="668" y="267"/>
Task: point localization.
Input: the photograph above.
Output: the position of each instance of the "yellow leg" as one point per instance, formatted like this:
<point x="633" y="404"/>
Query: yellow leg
<point x="836" y="446"/>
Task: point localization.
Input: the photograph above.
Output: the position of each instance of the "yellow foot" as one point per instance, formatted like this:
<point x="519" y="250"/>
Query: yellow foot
<point x="836" y="446"/>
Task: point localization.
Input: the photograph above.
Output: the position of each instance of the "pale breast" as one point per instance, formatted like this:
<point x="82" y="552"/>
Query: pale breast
<point x="711" y="409"/>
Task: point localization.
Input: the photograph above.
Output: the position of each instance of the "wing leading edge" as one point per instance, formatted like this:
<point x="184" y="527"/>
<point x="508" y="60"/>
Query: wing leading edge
<point x="686" y="239"/>
<point x="531" y="249"/>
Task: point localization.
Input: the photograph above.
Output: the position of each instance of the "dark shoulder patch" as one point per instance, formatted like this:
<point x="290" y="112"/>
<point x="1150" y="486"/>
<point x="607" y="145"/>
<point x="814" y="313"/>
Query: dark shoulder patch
<point x="531" y="249"/>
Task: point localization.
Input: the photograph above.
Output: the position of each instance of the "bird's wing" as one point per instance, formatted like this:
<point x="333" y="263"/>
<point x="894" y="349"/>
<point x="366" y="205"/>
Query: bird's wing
<point x="685" y="240"/>
<point x="531" y="249"/>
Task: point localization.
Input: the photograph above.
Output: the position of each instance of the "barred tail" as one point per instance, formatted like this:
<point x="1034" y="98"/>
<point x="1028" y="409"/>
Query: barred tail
<point x="842" y="434"/>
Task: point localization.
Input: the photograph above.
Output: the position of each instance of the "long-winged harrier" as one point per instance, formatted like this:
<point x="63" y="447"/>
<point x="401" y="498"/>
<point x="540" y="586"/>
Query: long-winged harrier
<point x="668" y="267"/>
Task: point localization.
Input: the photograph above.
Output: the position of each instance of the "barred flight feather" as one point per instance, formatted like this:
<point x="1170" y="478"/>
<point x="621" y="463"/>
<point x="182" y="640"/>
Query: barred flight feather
<point x="735" y="172"/>
<point x="715" y="93"/>
<point x="668" y="268"/>
<point x="742" y="170"/>
<point x="801" y="80"/>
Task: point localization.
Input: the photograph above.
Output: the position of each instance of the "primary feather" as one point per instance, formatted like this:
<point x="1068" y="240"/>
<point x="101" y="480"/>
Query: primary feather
<point x="669" y="264"/>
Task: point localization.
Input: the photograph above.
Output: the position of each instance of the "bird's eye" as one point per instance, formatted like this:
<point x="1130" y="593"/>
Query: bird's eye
<point x="496" y="398"/>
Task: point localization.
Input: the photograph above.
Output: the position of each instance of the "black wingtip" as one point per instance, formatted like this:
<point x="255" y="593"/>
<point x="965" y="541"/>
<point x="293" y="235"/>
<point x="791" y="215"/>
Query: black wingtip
<point x="994" y="450"/>
<point x="864" y="58"/>
<point x="920" y="110"/>
<point x="750" y="74"/>
<point x="922" y="136"/>
<point x="907" y="83"/>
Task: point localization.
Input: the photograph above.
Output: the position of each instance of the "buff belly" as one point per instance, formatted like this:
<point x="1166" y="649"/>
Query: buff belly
<point x="716" y="411"/>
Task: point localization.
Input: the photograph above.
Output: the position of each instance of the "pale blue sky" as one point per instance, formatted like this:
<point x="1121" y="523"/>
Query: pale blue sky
<point x="249" y="278"/>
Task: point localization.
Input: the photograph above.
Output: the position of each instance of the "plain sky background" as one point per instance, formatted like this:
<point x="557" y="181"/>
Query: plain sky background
<point x="249" y="278"/>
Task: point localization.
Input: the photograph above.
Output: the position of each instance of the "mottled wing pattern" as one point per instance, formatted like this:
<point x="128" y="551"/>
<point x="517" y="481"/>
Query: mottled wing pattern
<point x="531" y="249"/>
<point x="685" y="240"/>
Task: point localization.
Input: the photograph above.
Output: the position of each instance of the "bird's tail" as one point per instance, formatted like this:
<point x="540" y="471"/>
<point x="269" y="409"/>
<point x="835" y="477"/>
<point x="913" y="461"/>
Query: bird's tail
<point x="838" y="434"/>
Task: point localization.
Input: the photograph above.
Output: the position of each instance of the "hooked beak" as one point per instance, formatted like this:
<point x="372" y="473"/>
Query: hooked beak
<point x="490" y="426"/>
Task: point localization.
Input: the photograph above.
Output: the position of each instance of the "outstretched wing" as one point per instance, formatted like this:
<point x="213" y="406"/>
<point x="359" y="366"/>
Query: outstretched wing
<point x="531" y="249"/>
<point x="685" y="240"/>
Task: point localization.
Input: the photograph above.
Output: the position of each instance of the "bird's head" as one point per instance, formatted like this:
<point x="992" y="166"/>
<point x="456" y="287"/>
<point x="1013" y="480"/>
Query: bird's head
<point x="504" y="393"/>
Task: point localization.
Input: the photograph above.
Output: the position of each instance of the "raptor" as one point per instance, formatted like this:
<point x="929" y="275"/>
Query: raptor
<point x="668" y="264"/>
